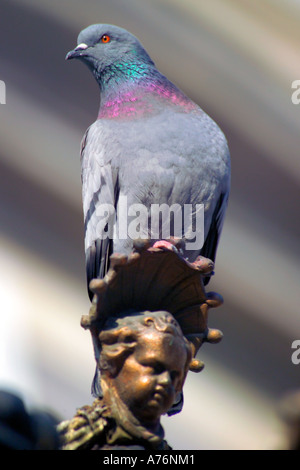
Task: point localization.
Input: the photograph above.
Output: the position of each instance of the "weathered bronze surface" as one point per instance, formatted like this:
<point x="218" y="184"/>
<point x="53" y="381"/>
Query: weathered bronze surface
<point x="148" y="319"/>
<point x="143" y="362"/>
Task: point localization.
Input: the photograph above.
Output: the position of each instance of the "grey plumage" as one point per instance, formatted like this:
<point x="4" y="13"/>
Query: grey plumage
<point x="149" y="143"/>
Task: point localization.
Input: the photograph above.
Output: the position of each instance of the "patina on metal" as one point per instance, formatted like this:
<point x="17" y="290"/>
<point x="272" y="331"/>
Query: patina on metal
<point x="143" y="363"/>
<point x="148" y="320"/>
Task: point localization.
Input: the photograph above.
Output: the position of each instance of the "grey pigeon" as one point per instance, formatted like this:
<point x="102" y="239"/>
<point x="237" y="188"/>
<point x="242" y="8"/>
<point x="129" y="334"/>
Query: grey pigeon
<point x="150" y="145"/>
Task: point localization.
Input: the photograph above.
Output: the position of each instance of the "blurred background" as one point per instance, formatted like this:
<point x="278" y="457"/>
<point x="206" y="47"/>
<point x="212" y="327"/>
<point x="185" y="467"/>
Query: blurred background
<point x="237" y="60"/>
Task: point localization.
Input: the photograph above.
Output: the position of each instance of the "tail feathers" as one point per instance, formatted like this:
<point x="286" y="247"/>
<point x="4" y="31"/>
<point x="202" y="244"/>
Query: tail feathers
<point x="97" y="261"/>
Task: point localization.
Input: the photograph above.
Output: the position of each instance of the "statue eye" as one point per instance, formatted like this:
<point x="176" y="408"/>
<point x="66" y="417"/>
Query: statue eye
<point x="105" y="38"/>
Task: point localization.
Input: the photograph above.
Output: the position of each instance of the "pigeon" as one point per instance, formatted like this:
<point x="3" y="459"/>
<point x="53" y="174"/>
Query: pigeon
<point x="150" y="146"/>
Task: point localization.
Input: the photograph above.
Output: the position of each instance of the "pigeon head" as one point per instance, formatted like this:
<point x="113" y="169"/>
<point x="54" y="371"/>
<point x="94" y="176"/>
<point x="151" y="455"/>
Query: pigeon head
<point x="111" y="52"/>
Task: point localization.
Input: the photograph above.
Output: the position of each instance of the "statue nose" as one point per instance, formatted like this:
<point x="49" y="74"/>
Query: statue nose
<point x="164" y="378"/>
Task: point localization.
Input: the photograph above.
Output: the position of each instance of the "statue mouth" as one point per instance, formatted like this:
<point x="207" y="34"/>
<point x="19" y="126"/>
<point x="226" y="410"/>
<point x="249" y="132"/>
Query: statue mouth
<point x="160" y="395"/>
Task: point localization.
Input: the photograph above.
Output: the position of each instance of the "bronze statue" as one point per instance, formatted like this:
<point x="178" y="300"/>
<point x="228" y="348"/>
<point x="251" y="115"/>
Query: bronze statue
<point x="143" y="363"/>
<point x="147" y="320"/>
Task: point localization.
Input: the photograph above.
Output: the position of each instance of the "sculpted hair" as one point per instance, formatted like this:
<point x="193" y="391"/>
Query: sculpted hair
<point x="121" y="335"/>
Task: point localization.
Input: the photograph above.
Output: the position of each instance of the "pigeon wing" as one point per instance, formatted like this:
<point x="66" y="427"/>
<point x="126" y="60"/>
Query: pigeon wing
<point x="211" y="242"/>
<point x="99" y="194"/>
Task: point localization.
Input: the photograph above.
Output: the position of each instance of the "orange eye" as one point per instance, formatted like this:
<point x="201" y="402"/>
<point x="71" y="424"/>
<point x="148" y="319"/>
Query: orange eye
<point x="105" y="38"/>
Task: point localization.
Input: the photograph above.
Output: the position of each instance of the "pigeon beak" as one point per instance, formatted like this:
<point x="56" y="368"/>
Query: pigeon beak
<point x="77" y="52"/>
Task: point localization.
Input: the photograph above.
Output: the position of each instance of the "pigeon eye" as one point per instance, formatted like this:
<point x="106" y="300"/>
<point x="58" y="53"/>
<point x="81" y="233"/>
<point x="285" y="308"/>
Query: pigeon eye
<point x="105" y="38"/>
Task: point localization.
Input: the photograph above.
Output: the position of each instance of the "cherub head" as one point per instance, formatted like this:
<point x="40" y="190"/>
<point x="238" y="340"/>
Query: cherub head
<point x="144" y="358"/>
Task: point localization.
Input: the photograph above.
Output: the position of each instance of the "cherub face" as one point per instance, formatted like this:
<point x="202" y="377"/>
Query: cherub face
<point x="151" y="377"/>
